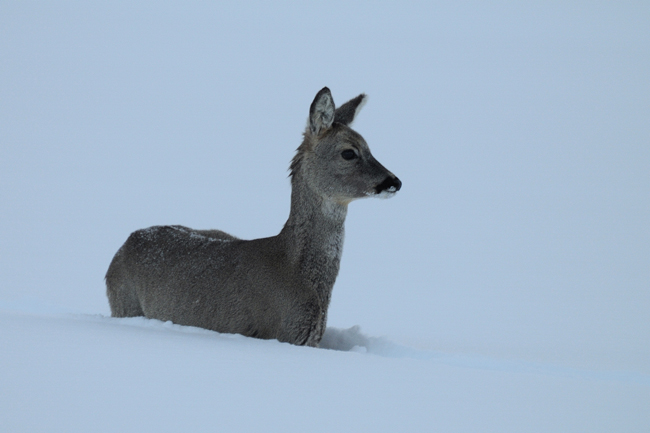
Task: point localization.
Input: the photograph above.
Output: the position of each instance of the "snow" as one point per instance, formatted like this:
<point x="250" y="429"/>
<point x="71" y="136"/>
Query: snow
<point x="505" y="287"/>
<point x="72" y="372"/>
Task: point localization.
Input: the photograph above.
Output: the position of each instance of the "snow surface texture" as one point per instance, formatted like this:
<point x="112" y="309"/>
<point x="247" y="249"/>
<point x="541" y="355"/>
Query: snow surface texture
<point x="69" y="373"/>
<point x="510" y="276"/>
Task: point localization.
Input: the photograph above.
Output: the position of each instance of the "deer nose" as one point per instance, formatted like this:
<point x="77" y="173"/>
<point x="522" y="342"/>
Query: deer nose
<point x="397" y="183"/>
<point x="390" y="184"/>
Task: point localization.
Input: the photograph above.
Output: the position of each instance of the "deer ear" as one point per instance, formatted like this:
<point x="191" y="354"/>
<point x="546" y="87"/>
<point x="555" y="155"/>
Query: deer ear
<point x="321" y="112"/>
<point x="346" y="113"/>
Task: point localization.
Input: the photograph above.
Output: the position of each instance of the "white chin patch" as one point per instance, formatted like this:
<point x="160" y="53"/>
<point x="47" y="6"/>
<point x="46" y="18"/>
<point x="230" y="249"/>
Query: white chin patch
<point x="387" y="193"/>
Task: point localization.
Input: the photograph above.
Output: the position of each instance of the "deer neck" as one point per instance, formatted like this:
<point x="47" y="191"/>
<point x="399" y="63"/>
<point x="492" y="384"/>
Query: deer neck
<point x="314" y="236"/>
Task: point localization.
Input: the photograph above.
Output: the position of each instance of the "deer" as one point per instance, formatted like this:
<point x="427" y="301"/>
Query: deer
<point x="277" y="287"/>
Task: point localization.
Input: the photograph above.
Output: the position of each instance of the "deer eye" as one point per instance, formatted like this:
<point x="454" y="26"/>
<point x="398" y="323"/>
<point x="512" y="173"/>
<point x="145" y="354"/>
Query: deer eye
<point x="348" y="154"/>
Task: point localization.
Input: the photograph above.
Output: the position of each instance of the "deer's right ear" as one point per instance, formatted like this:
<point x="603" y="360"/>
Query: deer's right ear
<point x="321" y="112"/>
<point x="346" y="113"/>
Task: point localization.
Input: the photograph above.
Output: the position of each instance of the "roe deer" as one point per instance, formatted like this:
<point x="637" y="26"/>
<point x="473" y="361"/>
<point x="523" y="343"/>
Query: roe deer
<point x="273" y="288"/>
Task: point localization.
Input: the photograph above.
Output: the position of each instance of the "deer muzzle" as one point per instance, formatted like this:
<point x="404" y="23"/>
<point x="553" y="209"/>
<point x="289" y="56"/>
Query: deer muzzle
<point x="391" y="184"/>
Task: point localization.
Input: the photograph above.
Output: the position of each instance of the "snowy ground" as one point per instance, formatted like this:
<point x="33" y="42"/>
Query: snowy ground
<point x="78" y="373"/>
<point x="505" y="288"/>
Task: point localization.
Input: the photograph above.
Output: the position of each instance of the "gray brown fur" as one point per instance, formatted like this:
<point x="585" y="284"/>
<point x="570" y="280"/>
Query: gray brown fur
<point x="273" y="288"/>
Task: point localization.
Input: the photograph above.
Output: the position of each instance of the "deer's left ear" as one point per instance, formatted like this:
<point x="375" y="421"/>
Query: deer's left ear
<point x="346" y="113"/>
<point x="321" y="112"/>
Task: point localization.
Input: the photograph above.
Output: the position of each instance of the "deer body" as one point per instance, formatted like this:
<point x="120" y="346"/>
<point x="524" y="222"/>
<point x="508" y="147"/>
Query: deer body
<point x="273" y="288"/>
